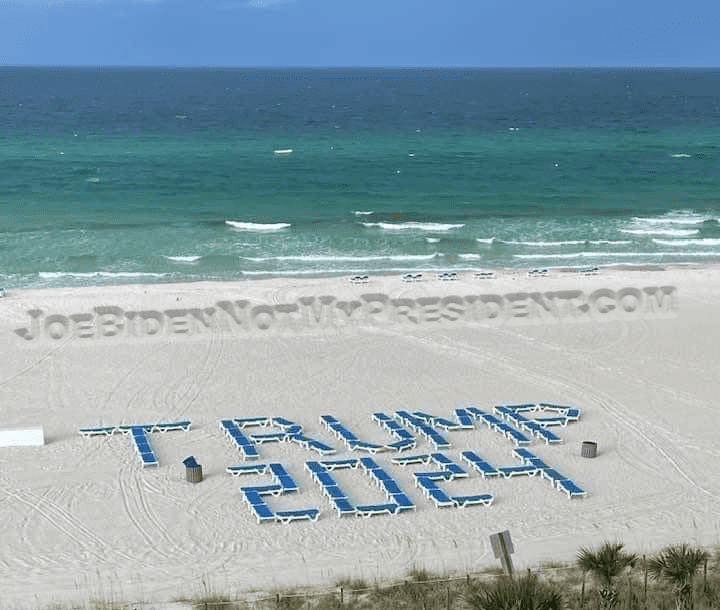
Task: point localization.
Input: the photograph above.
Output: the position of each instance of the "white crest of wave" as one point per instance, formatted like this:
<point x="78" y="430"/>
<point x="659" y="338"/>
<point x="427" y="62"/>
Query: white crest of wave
<point x="613" y="254"/>
<point x="309" y="258"/>
<point x="184" y="259"/>
<point x="575" y="242"/>
<point x="432" y="240"/>
<point x="670" y="232"/>
<point x="680" y="218"/>
<point x="258" y="227"/>
<point x="485" y="240"/>
<point x="679" y="155"/>
<point x="705" y="241"/>
<point x="362" y="212"/>
<point x="470" y="256"/>
<point x="57" y="274"/>
<point x="434" y="227"/>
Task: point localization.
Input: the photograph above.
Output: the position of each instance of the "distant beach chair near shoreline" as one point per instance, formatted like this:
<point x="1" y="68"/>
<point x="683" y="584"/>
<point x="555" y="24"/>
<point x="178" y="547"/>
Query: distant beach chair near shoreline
<point x="359" y="279"/>
<point x="448" y="276"/>
<point x="412" y="277"/>
<point x="537" y="273"/>
<point x="484" y="275"/>
<point x="589" y="270"/>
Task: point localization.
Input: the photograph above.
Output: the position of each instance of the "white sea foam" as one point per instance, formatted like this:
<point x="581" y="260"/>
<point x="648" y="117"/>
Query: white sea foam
<point x="682" y="218"/>
<point x="312" y="258"/>
<point x="678" y="155"/>
<point x="596" y="242"/>
<point x="183" y="259"/>
<point x="434" y="227"/>
<point x="362" y="212"/>
<point x="613" y="254"/>
<point x="470" y="256"/>
<point x="60" y="274"/>
<point x="705" y="241"/>
<point x="432" y="240"/>
<point x="547" y="243"/>
<point x="485" y="240"/>
<point x="258" y="227"/>
<point x="670" y="232"/>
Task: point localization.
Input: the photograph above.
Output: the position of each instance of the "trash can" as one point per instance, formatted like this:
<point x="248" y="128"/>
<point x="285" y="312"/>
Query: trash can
<point x="588" y="449"/>
<point x="193" y="470"/>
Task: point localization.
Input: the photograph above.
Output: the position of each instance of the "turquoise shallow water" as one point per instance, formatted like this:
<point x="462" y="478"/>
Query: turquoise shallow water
<point x="110" y="176"/>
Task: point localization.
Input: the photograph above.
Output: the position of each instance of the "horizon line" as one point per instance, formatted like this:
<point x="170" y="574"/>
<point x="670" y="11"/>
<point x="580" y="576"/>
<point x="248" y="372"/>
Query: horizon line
<point x="369" y="67"/>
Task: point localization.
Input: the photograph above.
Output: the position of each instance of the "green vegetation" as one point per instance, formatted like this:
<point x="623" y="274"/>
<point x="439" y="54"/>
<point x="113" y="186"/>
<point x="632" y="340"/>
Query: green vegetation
<point x="678" y="577"/>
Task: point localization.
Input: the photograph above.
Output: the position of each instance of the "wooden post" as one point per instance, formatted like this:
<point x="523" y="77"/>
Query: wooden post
<point x="582" y="591"/>
<point x="278" y="600"/>
<point x="448" y="597"/>
<point x="645" y="586"/>
<point x="341" y="596"/>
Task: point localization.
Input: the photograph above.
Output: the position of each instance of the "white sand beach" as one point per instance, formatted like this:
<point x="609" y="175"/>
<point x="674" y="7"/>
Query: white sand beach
<point x="81" y="518"/>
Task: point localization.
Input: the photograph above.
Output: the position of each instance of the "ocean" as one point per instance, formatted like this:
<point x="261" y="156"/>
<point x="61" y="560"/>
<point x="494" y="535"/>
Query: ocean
<point x="116" y="175"/>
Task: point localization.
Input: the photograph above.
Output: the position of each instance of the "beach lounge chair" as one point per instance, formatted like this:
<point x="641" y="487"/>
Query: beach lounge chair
<point x="148" y="459"/>
<point x="485" y="468"/>
<point x="391" y="487"/>
<point x="572" y="489"/>
<point x="303" y="514"/>
<point x="434" y="475"/>
<point x="264" y="490"/>
<point x="319" y="446"/>
<point x="283" y="478"/>
<point x="513" y="471"/>
<point x="334" y="492"/>
<point x="463" y="501"/>
<point x="423" y="458"/>
<point x="343" y="463"/>
<point x="484" y="275"/>
<point x="314" y="467"/>
<point x="101" y="431"/>
<point x="402" y="445"/>
<point x="370" y="510"/>
<point x="244" y="422"/>
<point x="343" y="507"/>
<point x="238" y="469"/>
<point x="552" y="475"/>
<point x="358" y="445"/>
<point x="464" y="418"/>
<point x="324" y="478"/>
<point x="538" y="463"/>
<point x="403" y="502"/>
<point x="368" y="463"/>
<point x="524" y="454"/>
<point x="440" y="498"/>
<point x="262" y="512"/>
<point x="268" y="437"/>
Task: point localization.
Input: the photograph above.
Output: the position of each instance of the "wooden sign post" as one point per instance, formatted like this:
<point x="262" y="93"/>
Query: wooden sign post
<point x="502" y="547"/>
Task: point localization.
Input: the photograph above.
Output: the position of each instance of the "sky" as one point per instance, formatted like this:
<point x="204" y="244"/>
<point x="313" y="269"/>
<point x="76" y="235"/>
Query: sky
<point x="375" y="33"/>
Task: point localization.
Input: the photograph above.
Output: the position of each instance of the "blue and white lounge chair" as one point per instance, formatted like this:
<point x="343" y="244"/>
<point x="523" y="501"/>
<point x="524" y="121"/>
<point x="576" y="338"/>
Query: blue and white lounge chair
<point x="423" y="458"/>
<point x="238" y="469"/>
<point x="572" y="489"/>
<point x="553" y="476"/>
<point x="262" y="512"/>
<point x="303" y="514"/>
<point x="343" y="507"/>
<point x="485" y="468"/>
<point x="463" y="501"/>
<point x="369" y="510"/>
<point x="513" y="471"/>
<point x="440" y="498"/>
